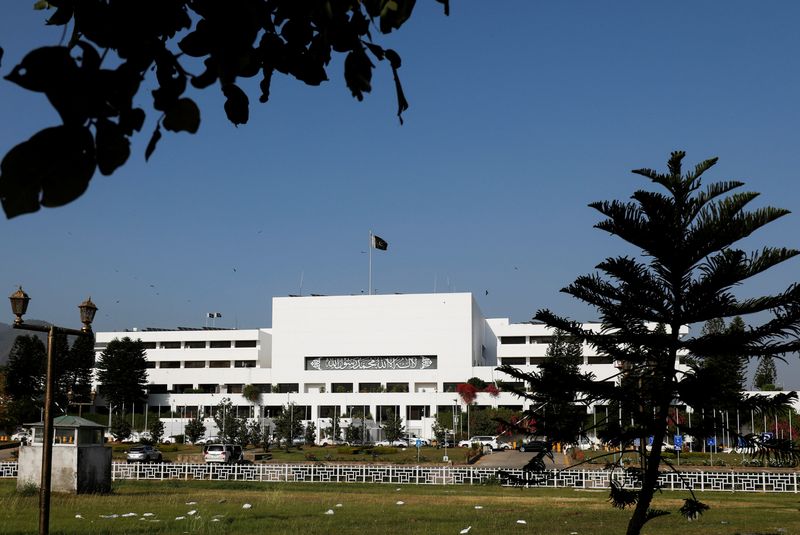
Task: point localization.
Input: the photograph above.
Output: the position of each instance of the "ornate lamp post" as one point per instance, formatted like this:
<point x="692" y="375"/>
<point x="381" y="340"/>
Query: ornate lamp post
<point x="19" y="305"/>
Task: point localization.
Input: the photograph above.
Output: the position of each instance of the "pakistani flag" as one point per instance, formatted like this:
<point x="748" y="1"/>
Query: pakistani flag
<point x="379" y="243"/>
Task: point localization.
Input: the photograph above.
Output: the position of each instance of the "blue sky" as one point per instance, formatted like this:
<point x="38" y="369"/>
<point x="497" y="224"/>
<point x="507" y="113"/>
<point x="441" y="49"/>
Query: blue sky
<point x="520" y="116"/>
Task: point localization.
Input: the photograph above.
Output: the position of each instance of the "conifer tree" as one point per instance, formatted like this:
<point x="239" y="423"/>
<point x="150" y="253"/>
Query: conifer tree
<point x="685" y="274"/>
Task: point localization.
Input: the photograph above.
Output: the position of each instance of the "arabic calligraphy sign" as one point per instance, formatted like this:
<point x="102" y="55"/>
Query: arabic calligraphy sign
<point x="411" y="362"/>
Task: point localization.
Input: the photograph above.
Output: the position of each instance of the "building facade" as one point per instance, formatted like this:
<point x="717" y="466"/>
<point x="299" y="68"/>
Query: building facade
<point x="345" y="355"/>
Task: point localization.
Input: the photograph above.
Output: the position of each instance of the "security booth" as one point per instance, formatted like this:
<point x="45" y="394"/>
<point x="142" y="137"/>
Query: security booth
<point x="81" y="462"/>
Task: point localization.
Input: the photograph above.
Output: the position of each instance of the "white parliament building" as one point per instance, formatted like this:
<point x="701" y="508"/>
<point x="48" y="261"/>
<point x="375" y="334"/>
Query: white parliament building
<point x="343" y="354"/>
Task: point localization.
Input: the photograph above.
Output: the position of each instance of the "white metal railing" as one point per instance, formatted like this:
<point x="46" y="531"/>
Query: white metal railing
<point x="697" y="480"/>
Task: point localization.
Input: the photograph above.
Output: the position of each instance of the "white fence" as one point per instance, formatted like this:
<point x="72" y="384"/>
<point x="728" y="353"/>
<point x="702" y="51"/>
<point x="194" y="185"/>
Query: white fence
<point x="698" y="480"/>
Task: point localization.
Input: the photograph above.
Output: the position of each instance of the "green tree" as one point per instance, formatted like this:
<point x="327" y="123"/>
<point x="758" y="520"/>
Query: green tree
<point x="25" y="373"/>
<point x="156" y="431"/>
<point x="255" y="433"/>
<point x="310" y="433"/>
<point x="288" y="424"/>
<point x="392" y="426"/>
<point x="195" y="428"/>
<point x="766" y="374"/>
<point x="77" y="373"/>
<point x="172" y="41"/>
<point x="688" y="266"/>
<point x="122" y="370"/>
<point x="120" y="427"/>
<point x="228" y="425"/>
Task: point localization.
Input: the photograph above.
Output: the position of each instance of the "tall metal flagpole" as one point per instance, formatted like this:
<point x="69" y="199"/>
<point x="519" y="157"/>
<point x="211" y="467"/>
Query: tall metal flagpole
<point x="370" y="262"/>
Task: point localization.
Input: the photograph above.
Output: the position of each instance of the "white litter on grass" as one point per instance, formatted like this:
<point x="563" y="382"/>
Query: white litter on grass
<point x="179" y="517"/>
<point x="128" y="515"/>
<point x="328" y="512"/>
<point x="338" y="505"/>
<point x="191" y="503"/>
<point x="193" y="511"/>
<point x="521" y="522"/>
<point x="109" y="516"/>
<point x="465" y="530"/>
<point x="149" y="514"/>
<point x="246" y="506"/>
<point x="478" y="507"/>
<point x="78" y="516"/>
<point x="218" y="516"/>
<point x="398" y="488"/>
<point x="401" y="503"/>
<point x="573" y="533"/>
<point x="215" y="519"/>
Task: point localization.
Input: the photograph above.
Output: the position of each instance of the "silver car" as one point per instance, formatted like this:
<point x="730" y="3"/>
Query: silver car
<point x="144" y="454"/>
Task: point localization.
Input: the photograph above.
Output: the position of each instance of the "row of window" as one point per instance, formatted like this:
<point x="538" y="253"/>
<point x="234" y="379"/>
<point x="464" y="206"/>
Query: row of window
<point x="380" y="412"/>
<point x="293" y="388"/>
<point x="535" y="361"/>
<point x="173" y="364"/>
<point x="526" y="339"/>
<point x="200" y="344"/>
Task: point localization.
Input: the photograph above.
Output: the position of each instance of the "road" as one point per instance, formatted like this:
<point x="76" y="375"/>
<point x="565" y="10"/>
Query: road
<point x="516" y="459"/>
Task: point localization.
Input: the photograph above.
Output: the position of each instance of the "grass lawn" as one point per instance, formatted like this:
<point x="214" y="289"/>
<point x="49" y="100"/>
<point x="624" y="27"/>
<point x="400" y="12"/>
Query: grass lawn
<point x="300" y="508"/>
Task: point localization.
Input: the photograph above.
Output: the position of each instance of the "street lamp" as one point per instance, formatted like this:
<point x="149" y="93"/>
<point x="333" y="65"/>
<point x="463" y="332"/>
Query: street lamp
<point x="81" y="404"/>
<point x="19" y="305"/>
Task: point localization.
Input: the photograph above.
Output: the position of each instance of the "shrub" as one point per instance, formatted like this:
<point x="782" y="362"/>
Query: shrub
<point x="348" y="450"/>
<point x="384" y="450"/>
<point x="28" y="489"/>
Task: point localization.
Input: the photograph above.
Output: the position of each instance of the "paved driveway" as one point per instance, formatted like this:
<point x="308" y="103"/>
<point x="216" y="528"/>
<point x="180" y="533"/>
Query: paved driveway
<point x="515" y="459"/>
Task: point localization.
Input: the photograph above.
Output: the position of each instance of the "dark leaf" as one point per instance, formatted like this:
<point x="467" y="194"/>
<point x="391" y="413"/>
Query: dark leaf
<point x="183" y="116"/>
<point x="265" y="84"/>
<point x="56" y="163"/>
<point x="90" y="59"/>
<point x="62" y="16"/>
<point x="393" y="57"/>
<point x="44" y="69"/>
<point x="1" y="55"/>
<point x="131" y="120"/>
<point x="71" y="155"/>
<point x="377" y="51"/>
<point x="237" y="105"/>
<point x="358" y="73"/>
<point x="395" y="13"/>
<point x="446" y="4"/>
<point x="151" y="145"/>
<point x="196" y="44"/>
<point x="208" y="76"/>
<point x="112" y="146"/>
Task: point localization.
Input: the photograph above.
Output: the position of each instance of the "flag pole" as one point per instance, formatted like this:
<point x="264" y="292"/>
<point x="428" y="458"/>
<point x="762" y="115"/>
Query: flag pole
<point x="370" y="262"/>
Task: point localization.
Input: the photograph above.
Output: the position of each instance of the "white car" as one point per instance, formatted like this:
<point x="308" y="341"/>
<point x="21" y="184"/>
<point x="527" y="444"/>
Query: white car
<point x="207" y="440"/>
<point x="395" y="443"/>
<point x="484" y="440"/>
<point x="21" y="436"/>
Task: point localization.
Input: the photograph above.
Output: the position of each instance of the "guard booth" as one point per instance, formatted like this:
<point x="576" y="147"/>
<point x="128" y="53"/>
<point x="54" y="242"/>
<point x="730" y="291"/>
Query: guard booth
<point x="81" y="463"/>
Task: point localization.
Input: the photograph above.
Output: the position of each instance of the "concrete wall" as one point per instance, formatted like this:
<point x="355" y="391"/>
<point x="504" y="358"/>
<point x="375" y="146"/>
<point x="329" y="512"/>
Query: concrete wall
<point x="74" y="469"/>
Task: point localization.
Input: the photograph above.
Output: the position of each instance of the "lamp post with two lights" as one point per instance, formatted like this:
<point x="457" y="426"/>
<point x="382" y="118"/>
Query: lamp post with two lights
<point x="19" y="305"/>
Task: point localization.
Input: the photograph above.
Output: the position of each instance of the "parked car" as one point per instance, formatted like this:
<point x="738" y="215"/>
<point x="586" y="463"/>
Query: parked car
<point x="665" y="447"/>
<point x="168" y="440"/>
<point x="411" y="440"/>
<point x="21" y="436"/>
<point x="207" y="440"/>
<point x="534" y="445"/>
<point x="399" y="443"/>
<point x="218" y="453"/>
<point x="484" y="440"/>
<point x="144" y="454"/>
<point x="328" y="441"/>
